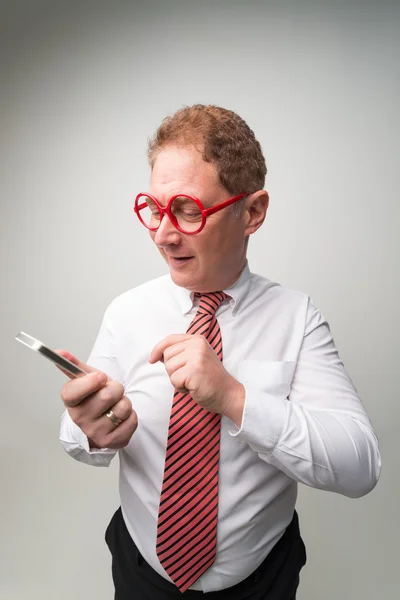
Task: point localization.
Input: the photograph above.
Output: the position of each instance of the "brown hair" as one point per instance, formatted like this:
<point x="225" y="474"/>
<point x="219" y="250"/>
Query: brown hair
<point x="222" y="137"/>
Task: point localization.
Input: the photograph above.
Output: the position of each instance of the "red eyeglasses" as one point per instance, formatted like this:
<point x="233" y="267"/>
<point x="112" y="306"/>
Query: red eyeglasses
<point x="185" y="212"/>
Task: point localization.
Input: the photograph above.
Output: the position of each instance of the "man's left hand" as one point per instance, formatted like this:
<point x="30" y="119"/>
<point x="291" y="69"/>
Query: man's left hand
<point x="193" y="366"/>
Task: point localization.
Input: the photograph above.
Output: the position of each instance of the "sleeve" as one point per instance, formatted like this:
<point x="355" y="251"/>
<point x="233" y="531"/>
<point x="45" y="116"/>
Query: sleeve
<point x="319" y="434"/>
<point x="104" y="358"/>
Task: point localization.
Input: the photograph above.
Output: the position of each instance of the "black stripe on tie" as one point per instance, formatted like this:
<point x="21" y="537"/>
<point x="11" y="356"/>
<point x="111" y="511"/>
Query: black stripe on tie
<point x="169" y="515"/>
<point x="214" y="328"/>
<point x="177" y="411"/>
<point x="188" y="524"/>
<point x="176" y="393"/>
<point x="170" y="445"/>
<point x="192" y="437"/>
<point x="213" y="460"/>
<point x="189" y="495"/>
<point x="184" y="401"/>
<point x="190" y="410"/>
<point x="198" y="317"/>
<point x="199" y="548"/>
<point x="213" y="431"/>
<point x="203" y="318"/>
<point x="217" y="343"/>
<point x="199" y="324"/>
<point x="201" y="509"/>
<point x="203" y="560"/>
<point x="206" y="326"/>
<point x="170" y="520"/>
<point x="217" y="301"/>
<point x="176" y="460"/>
<point x="213" y="307"/>
<point x="190" y="469"/>
<point x="186" y="542"/>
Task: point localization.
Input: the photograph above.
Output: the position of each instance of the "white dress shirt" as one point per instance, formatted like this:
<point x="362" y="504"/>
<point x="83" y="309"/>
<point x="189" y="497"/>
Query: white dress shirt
<point x="303" y="420"/>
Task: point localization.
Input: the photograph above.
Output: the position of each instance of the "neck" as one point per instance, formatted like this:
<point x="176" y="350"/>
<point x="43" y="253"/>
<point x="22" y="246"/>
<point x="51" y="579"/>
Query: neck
<point x="222" y="286"/>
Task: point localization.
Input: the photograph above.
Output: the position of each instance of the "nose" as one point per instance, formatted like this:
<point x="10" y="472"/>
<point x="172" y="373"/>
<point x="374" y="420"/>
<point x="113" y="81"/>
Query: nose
<point x="166" y="233"/>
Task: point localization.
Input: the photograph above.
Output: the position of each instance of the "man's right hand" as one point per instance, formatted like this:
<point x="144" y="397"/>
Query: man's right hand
<point x="89" y="397"/>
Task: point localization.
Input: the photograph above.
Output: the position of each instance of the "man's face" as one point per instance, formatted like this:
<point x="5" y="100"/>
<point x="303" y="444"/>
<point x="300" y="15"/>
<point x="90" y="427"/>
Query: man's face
<point x="214" y="258"/>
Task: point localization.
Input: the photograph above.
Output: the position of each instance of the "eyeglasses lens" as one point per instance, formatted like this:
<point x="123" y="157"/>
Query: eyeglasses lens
<point x="149" y="212"/>
<point x="186" y="212"/>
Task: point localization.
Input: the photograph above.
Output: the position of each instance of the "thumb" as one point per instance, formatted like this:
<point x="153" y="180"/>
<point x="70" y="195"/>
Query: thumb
<point x="74" y="360"/>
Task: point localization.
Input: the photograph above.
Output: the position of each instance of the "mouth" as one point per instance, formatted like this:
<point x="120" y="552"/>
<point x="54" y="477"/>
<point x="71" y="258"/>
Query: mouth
<point x="179" y="260"/>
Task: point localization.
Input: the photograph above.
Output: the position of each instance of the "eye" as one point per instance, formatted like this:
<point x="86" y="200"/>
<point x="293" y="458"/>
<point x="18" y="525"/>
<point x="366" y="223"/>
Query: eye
<point x="191" y="213"/>
<point x="185" y="208"/>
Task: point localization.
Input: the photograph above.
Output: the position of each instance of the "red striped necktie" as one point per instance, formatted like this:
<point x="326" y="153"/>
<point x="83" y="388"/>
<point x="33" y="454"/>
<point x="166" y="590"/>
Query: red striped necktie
<point x="187" y="518"/>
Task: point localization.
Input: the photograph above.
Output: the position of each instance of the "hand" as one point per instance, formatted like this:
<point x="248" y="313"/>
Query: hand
<point x="87" y="399"/>
<point x="193" y="366"/>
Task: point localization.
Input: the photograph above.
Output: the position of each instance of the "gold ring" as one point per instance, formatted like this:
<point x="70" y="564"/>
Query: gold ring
<point x="113" y="418"/>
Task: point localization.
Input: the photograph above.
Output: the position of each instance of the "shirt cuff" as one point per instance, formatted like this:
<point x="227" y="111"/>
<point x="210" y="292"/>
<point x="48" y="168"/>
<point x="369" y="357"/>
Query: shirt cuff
<point x="76" y="444"/>
<point x="264" y="419"/>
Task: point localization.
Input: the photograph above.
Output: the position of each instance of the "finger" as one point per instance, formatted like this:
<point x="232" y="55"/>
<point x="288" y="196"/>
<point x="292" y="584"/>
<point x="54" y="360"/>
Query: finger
<point x="175" y="363"/>
<point x="121" y="434"/>
<point x="78" y="389"/>
<point x="174" y="350"/>
<point x="158" y="350"/>
<point x="75" y="361"/>
<point x="107" y="397"/>
<point x="122" y="409"/>
<point x="179" y="379"/>
<point x="119" y="412"/>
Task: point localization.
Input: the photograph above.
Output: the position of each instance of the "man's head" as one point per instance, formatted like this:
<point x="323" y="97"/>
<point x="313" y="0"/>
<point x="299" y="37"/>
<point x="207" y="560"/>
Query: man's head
<point x="210" y="153"/>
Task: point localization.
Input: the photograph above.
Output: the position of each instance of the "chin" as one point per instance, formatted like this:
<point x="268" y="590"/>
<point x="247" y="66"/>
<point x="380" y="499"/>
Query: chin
<point x="181" y="280"/>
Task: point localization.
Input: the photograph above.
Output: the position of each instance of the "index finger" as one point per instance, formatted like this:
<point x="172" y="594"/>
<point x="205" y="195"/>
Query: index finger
<point x="75" y="361"/>
<point x="76" y="391"/>
<point x="159" y="349"/>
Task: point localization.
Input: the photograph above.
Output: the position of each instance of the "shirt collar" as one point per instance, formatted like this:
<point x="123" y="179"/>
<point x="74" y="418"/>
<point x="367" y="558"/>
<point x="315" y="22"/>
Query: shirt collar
<point x="236" y="292"/>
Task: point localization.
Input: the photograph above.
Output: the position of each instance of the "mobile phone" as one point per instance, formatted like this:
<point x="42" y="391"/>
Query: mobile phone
<point x="60" y="361"/>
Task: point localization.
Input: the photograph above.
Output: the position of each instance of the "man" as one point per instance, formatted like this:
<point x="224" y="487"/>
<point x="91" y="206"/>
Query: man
<point x="219" y="389"/>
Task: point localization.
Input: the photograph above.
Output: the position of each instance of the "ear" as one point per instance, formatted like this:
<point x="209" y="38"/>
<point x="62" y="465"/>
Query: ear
<point x="256" y="207"/>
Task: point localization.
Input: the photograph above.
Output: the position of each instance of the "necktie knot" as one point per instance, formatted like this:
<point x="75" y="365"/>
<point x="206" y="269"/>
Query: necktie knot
<point x="209" y="303"/>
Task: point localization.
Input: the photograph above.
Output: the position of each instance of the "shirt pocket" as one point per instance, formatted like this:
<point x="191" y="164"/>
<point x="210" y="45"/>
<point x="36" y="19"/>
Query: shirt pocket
<point x="271" y="376"/>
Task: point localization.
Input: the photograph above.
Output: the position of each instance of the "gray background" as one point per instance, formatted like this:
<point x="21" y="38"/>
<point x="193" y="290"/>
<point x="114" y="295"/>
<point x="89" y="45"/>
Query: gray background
<point x="82" y="87"/>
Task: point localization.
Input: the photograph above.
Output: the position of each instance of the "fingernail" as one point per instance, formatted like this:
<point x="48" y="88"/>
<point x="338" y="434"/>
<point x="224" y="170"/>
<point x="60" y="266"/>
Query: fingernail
<point x="101" y="377"/>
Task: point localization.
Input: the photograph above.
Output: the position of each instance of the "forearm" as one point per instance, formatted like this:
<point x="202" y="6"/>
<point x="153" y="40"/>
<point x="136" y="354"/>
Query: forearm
<point x="324" y="449"/>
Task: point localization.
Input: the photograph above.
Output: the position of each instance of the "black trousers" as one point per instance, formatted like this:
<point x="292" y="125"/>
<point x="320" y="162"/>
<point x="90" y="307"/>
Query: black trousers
<point x="276" y="578"/>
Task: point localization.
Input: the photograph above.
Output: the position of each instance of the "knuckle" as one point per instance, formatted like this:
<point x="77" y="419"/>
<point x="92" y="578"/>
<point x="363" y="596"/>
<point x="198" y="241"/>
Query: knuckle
<point x="106" y="395"/>
<point x="170" y="370"/>
<point x="134" y="422"/>
<point x="65" y="395"/>
<point x="200" y="342"/>
<point x="124" y="408"/>
<point x="119" y="389"/>
<point x="176" y="381"/>
<point x="121" y="435"/>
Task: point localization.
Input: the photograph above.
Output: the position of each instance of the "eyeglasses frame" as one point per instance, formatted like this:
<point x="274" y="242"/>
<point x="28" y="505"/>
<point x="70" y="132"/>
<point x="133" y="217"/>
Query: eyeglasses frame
<point x="205" y="212"/>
